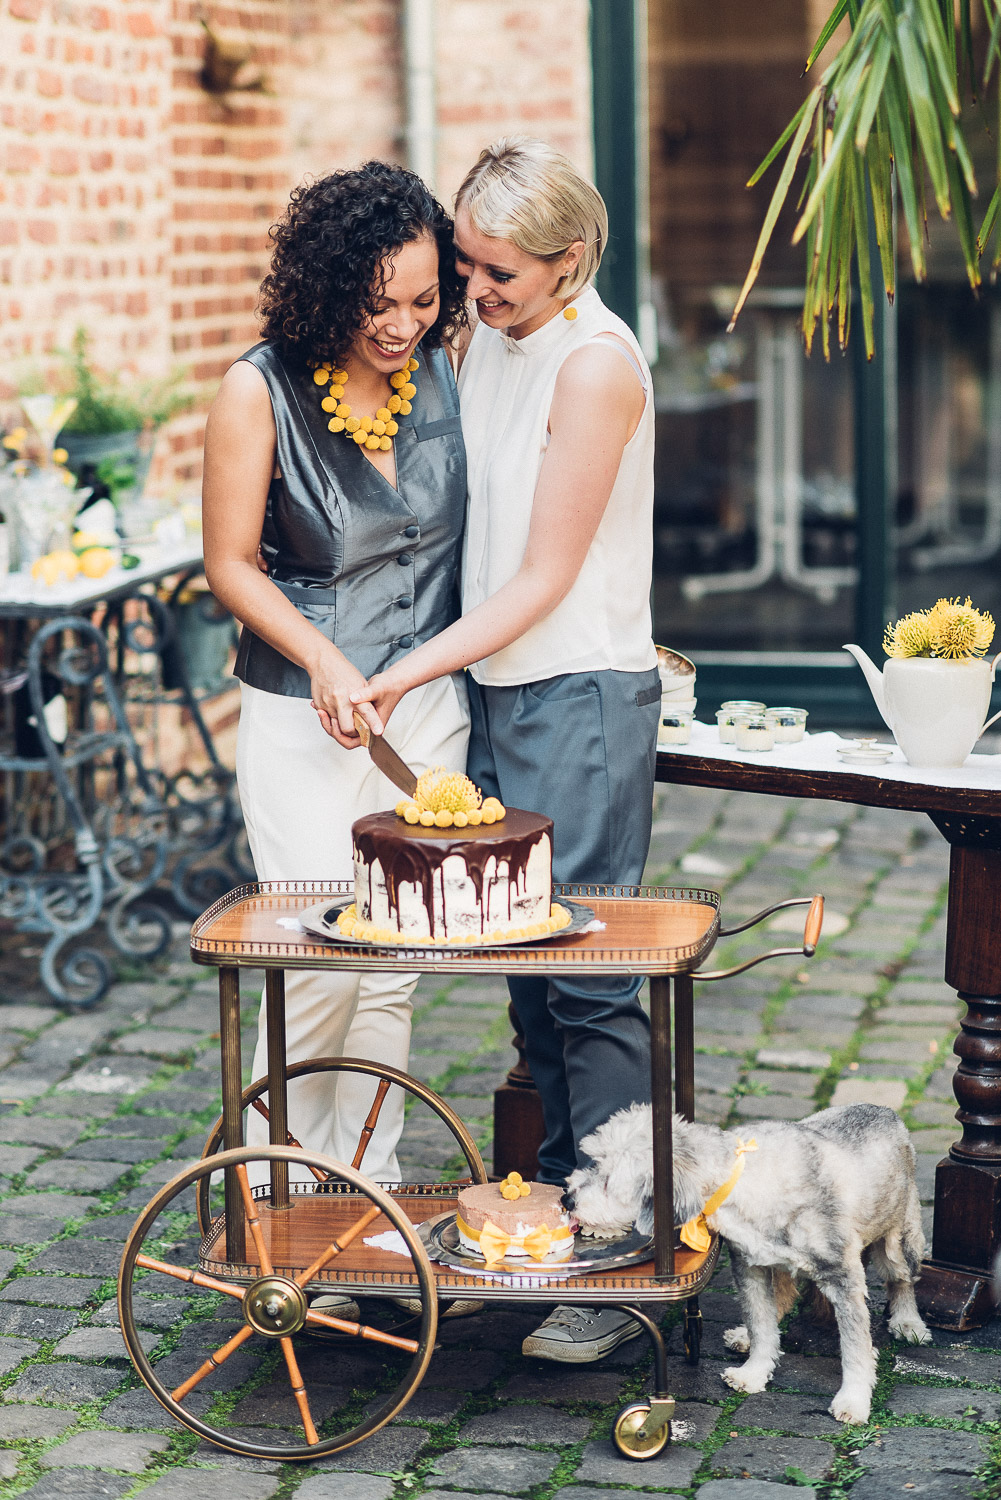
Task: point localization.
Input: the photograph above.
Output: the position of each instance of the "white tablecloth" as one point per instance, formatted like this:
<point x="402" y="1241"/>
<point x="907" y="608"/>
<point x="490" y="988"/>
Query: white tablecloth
<point x="817" y="752"/>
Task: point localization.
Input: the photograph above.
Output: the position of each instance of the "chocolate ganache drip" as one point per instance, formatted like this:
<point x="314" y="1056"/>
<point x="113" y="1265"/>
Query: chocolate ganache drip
<point x="410" y="854"/>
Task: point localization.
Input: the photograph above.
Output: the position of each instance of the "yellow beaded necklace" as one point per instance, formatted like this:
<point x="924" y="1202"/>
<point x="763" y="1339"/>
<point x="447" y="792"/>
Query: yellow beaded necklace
<point x="375" y="432"/>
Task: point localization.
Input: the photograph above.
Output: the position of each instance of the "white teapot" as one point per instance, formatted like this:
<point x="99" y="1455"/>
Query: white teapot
<point x="934" y="708"/>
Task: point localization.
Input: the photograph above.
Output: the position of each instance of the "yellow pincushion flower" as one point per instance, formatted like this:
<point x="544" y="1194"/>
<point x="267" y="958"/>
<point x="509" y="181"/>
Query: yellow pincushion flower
<point x="958" y="630"/>
<point x="950" y="631"/>
<point x="439" y="790"/>
<point x="909" y="636"/>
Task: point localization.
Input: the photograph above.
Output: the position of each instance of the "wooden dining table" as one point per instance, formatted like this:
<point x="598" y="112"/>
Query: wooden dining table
<point x="955" y="1289"/>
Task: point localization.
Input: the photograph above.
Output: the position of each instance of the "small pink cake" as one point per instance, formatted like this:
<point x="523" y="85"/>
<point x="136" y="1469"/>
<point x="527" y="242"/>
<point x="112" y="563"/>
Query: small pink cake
<point x="514" y="1220"/>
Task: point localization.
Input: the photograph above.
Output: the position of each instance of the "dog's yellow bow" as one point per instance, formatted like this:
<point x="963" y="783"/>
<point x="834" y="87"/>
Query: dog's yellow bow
<point x="695" y="1234"/>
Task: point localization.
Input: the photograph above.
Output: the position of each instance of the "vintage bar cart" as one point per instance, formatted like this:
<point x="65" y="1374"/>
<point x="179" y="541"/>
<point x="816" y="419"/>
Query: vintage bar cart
<point x="309" y="1225"/>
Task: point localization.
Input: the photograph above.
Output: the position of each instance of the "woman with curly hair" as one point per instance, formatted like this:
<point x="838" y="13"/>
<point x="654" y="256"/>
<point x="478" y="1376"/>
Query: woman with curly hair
<point x="335" y="447"/>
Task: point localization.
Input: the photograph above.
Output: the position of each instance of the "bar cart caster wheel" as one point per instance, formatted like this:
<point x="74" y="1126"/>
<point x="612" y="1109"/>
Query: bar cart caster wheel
<point x="263" y="1290"/>
<point x="632" y="1436"/>
<point x="691" y="1336"/>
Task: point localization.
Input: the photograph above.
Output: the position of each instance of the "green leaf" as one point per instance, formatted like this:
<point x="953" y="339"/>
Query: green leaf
<point x="898" y="121"/>
<point x="760" y="171"/>
<point x="926" y="120"/>
<point x="778" y="198"/>
<point x="881" y="191"/>
<point x="964" y="222"/>
<point x="862" y="248"/>
<point x="881" y="55"/>
<point x="833" y="22"/>
<point x="936" y="48"/>
<point x="989" y="222"/>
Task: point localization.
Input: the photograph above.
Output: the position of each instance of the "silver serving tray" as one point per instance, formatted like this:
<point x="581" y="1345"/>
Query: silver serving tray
<point x="440" y="1237"/>
<point x="321" y="921"/>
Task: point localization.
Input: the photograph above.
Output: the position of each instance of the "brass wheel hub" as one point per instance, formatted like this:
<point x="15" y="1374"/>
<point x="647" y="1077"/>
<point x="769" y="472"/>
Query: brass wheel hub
<point x="275" y="1306"/>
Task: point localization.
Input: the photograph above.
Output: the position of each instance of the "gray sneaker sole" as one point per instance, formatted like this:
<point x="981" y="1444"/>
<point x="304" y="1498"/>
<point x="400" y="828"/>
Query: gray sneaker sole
<point x="583" y="1352"/>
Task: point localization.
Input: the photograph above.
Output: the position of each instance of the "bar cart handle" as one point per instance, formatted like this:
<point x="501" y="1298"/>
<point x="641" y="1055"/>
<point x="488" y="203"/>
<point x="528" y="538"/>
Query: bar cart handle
<point x="811" y="937"/>
<point x="814" y="922"/>
<point x="759" y="916"/>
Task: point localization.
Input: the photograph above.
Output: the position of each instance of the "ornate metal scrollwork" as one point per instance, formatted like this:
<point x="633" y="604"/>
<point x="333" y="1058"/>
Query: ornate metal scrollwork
<point x="92" y="835"/>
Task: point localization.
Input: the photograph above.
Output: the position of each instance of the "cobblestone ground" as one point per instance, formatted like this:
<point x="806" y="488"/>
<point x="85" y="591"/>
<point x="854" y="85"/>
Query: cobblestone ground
<point x="100" y="1109"/>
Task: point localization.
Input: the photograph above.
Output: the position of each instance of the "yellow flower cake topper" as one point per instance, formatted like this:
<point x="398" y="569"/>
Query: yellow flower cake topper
<point x="514" y="1187"/>
<point x="949" y="630"/>
<point x="447" y="799"/>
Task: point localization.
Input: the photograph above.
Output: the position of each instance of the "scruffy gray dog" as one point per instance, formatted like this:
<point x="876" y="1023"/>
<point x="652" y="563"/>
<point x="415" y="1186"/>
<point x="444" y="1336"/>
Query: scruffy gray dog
<point x="812" y="1197"/>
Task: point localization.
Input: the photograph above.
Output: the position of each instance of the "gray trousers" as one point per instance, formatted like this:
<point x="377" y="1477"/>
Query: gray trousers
<point x="580" y="748"/>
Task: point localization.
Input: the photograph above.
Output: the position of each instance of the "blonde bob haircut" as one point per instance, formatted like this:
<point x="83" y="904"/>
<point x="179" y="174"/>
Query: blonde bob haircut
<point x="526" y="191"/>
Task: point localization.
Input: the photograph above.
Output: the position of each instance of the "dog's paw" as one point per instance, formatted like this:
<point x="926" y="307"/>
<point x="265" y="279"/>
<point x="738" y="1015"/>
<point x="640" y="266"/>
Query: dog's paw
<point x="737" y="1339"/>
<point x="909" y="1330"/>
<point x="851" y="1405"/>
<point x="742" y="1378"/>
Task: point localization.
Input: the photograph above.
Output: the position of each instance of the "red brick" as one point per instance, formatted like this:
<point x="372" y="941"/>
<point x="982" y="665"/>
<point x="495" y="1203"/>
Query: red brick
<point x="48" y="84"/>
<point x="41" y="231"/>
<point x="63" y="162"/>
<point x="142" y="24"/>
<point x="26" y="10"/>
<point x="9" y="232"/>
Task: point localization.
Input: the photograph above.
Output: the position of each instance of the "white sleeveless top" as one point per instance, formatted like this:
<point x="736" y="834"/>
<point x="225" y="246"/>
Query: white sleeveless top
<point x="506" y="390"/>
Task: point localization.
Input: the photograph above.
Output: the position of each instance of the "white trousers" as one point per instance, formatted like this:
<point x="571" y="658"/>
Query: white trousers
<point x="301" y="791"/>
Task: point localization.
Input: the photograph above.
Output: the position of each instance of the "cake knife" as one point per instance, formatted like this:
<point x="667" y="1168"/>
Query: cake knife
<point x="385" y="757"/>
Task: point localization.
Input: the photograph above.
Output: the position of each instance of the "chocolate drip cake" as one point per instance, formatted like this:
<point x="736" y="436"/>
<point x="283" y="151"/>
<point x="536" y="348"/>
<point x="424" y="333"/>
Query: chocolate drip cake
<point x="468" y="875"/>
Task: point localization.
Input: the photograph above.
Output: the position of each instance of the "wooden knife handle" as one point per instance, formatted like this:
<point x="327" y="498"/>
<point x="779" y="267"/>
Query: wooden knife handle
<point x="364" y="732"/>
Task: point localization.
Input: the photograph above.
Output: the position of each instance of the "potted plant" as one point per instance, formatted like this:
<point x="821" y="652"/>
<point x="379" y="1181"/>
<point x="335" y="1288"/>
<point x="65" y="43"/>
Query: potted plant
<point x="109" y="437"/>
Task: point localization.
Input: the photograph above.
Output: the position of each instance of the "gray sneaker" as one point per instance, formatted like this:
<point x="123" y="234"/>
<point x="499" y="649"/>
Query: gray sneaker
<point x="580" y="1335"/>
<point x="334" y="1305"/>
<point x="462" y="1307"/>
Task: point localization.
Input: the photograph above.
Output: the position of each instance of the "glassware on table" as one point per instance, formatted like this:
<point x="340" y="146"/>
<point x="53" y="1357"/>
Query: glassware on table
<point x="789" y="724"/>
<point x="41" y="508"/>
<point x="730" y="711"/>
<point x="753" y="732"/>
<point x="675" y="727"/>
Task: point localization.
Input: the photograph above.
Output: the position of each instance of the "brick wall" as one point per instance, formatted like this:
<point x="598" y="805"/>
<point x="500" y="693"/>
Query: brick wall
<point x="135" y="203"/>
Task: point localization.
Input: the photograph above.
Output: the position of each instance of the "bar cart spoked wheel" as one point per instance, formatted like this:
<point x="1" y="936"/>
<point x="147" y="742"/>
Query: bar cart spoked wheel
<point x="255" y="1094"/>
<point x="279" y="1226"/>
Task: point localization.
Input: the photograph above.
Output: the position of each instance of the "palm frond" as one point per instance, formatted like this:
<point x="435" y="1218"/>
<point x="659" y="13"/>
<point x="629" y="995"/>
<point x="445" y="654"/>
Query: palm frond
<point x="884" y="123"/>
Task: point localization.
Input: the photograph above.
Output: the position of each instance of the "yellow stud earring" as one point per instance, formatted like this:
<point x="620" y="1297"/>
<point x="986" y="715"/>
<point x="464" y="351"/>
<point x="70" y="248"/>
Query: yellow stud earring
<point x="570" y="313"/>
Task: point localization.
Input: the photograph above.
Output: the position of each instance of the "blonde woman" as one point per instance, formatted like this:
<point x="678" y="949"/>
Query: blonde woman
<point x="558" y="422"/>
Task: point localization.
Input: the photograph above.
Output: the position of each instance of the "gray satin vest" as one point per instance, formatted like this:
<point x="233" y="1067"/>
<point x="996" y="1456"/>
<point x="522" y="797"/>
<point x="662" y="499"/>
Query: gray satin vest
<point x="374" y="568"/>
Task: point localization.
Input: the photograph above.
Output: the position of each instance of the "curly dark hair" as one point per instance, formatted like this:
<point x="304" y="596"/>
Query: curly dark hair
<point x="327" y="250"/>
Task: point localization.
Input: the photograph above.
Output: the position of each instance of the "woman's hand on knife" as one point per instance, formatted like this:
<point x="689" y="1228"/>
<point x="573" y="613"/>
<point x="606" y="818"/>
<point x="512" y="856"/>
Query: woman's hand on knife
<point x="333" y="681"/>
<point x="381" y="694"/>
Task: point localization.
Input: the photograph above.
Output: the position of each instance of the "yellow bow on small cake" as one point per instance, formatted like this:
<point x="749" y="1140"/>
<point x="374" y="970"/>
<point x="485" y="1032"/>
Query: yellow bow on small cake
<point x="495" y="1243"/>
<point x="695" y="1234"/>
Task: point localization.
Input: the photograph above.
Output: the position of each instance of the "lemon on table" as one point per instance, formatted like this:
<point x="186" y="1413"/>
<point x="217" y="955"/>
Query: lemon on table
<point x="55" y="567"/>
<point x="94" y="562"/>
<point x="84" y="539"/>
